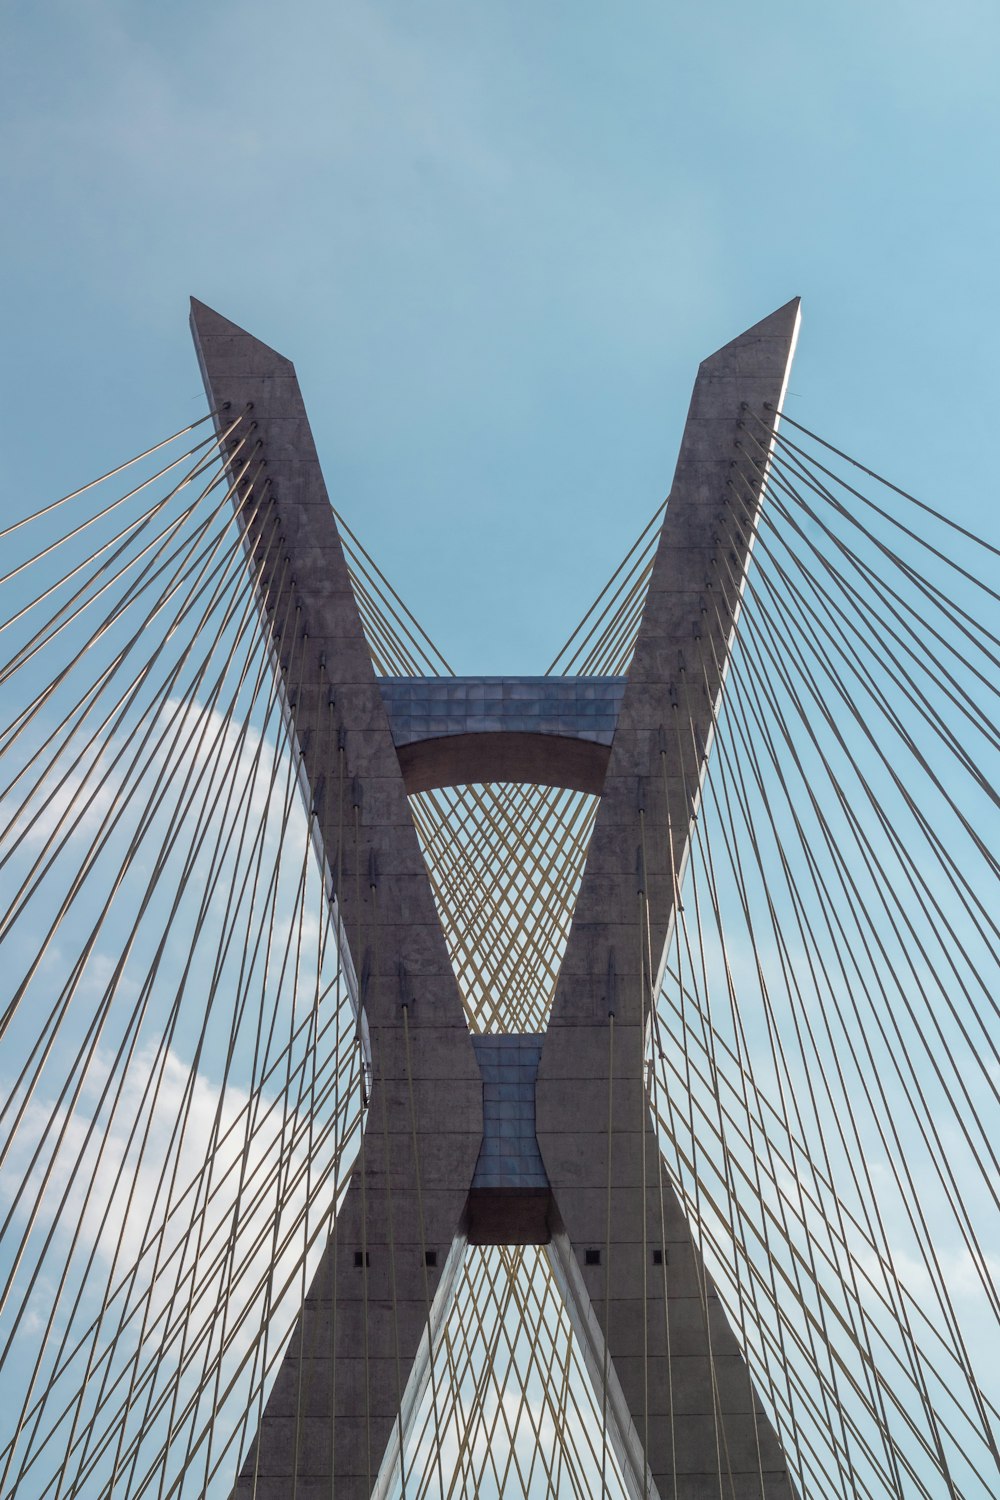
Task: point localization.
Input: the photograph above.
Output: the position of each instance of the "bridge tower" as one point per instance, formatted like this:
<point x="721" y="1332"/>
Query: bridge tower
<point x="439" y="1166"/>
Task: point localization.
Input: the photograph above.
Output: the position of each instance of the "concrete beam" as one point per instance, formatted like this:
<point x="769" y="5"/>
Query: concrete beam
<point x="539" y="759"/>
<point x="547" y="731"/>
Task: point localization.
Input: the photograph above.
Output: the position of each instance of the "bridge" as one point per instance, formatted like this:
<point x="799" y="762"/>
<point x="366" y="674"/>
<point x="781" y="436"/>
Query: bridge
<point x="428" y="1085"/>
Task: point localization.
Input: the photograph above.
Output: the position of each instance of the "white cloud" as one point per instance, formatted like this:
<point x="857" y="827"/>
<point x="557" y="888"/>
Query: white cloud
<point x="108" y="1198"/>
<point x="91" y="1179"/>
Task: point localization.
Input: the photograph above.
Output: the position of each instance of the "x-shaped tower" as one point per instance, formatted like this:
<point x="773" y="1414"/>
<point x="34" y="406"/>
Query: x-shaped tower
<point x="440" y="1166"/>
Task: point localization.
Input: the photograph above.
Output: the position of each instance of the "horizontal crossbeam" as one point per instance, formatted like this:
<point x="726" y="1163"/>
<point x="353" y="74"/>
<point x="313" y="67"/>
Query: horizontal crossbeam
<point x="546" y="731"/>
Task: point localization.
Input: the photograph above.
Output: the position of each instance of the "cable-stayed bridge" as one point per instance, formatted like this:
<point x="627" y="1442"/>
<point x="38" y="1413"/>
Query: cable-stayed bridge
<point x="419" y="1085"/>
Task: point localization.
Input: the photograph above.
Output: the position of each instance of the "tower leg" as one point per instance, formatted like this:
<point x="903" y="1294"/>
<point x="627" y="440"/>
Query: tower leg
<point x="641" y="1280"/>
<point x="333" y="1410"/>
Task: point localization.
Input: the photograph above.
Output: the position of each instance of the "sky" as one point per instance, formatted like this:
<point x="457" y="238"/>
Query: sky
<point x="496" y="241"/>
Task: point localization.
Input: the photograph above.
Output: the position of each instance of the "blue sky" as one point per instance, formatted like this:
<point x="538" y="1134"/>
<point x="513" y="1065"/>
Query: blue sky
<point x="496" y="240"/>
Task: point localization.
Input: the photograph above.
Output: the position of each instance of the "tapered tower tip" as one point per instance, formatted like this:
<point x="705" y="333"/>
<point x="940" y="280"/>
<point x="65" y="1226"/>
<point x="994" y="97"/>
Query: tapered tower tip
<point x="763" y="351"/>
<point x="209" y="329"/>
<point x="206" y="322"/>
<point x="782" y="326"/>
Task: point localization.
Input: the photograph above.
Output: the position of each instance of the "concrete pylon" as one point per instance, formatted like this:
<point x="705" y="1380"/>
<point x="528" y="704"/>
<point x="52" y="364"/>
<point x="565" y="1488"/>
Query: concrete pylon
<point x="683" y="1396"/>
<point x="678" y="1400"/>
<point x="342" y="1415"/>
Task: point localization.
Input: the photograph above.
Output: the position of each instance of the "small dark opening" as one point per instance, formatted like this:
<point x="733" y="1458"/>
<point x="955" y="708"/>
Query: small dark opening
<point x="592" y="1257"/>
<point x="657" y="1257"/>
<point x="362" y="1258"/>
<point x="430" y="1257"/>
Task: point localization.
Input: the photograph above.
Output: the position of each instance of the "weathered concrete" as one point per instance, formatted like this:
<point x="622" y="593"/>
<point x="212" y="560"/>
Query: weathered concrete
<point x="656" y="767"/>
<point x="360" y="1350"/>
